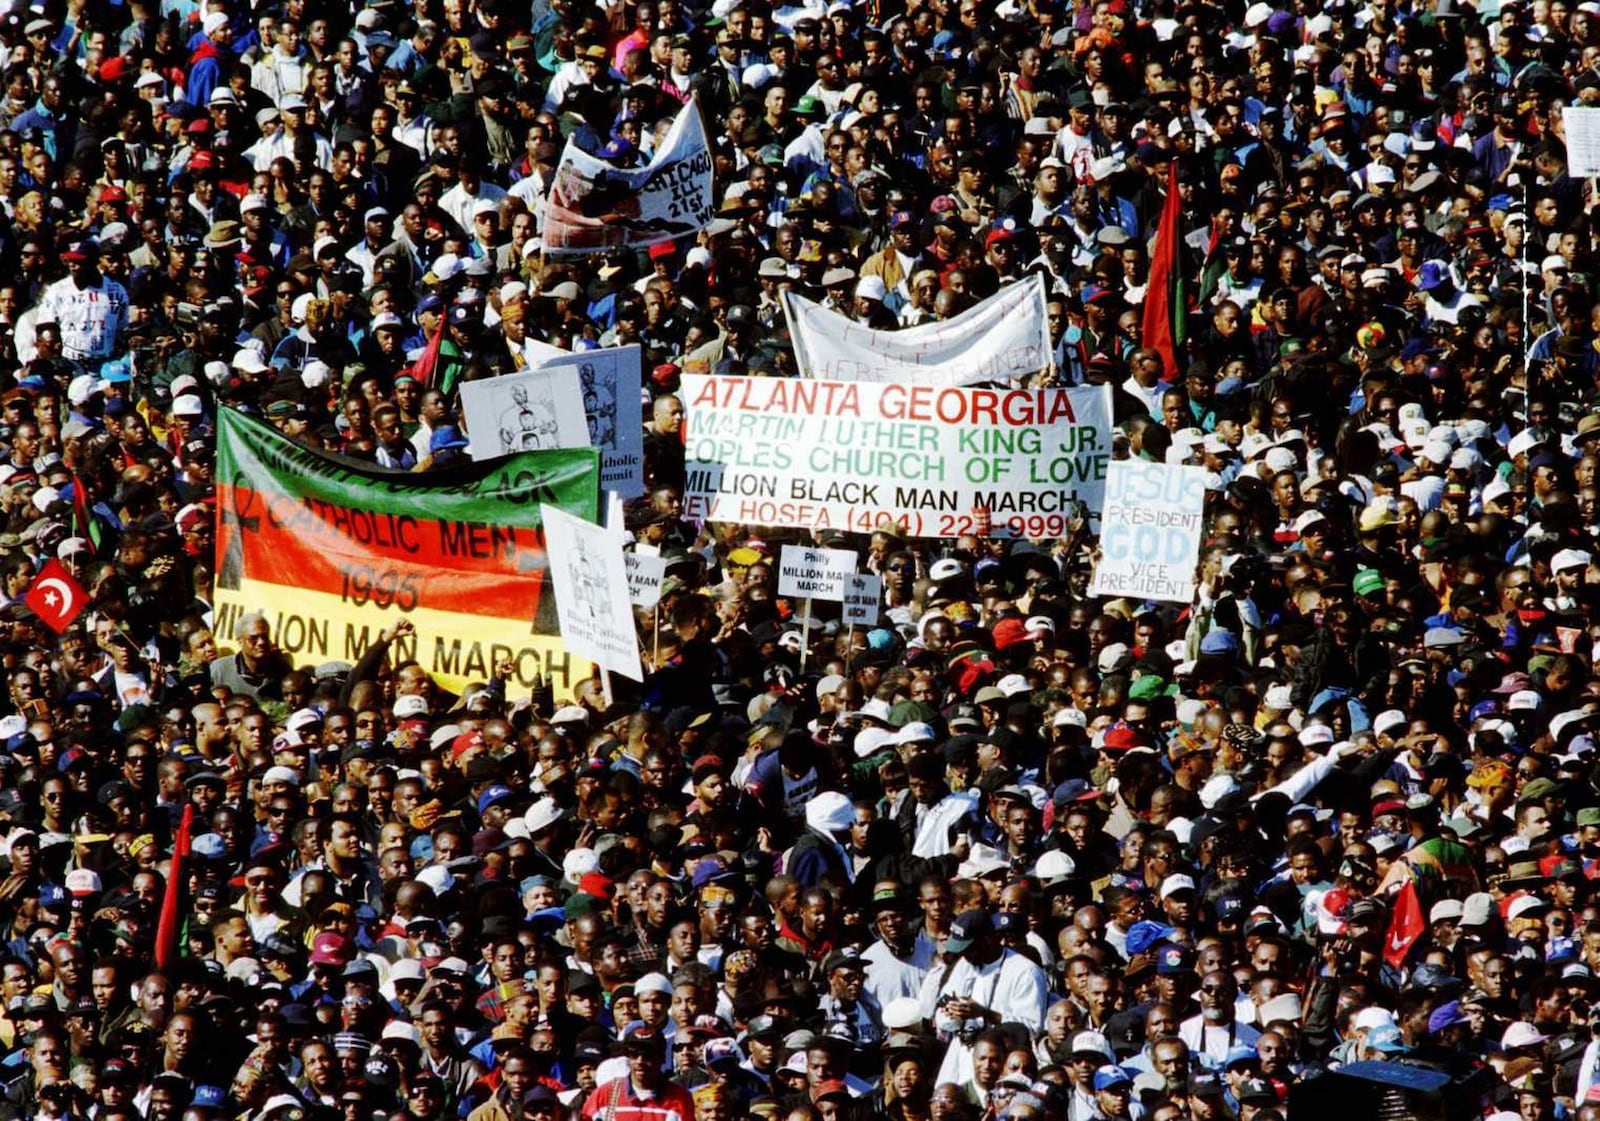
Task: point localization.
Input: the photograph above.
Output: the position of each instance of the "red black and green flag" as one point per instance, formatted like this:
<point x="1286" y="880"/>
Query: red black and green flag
<point x="1165" y="325"/>
<point x="88" y="526"/>
<point x="333" y="551"/>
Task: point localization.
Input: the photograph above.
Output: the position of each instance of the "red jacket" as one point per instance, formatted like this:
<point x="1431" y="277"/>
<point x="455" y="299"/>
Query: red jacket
<point x="616" y="1101"/>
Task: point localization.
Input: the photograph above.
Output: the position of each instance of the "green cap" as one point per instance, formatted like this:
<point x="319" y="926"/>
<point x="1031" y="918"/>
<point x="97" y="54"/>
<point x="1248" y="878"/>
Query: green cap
<point x="1538" y="788"/>
<point x="1589" y="816"/>
<point x="1147" y="688"/>
<point x="1368" y="581"/>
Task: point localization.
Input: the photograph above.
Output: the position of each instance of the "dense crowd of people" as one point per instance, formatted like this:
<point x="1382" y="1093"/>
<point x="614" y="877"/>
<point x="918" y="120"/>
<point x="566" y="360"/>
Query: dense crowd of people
<point x="1319" y="841"/>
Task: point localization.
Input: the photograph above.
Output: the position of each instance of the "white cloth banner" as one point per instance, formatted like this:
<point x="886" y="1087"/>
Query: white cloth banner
<point x="1150" y="531"/>
<point x="532" y="410"/>
<point x="1006" y="336"/>
<point x="591" y="584"/>
<point x="933" y="462"/>
<point x="596" y="208"/>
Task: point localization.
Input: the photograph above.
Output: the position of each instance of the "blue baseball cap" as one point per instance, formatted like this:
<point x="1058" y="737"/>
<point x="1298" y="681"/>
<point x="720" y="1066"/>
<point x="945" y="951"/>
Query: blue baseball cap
<point x="1431" y="275"/>
<point x="1147" y="933"/>
<point x="1444" y="1016"/>
<point x="447" y="438"/>
<point x="1386" y="1038"/>
<point x="1108" y="1077"/>
<point x="493" y="796"/>
<point x="207" y="846"/>
<point x="1239" y="1054"/>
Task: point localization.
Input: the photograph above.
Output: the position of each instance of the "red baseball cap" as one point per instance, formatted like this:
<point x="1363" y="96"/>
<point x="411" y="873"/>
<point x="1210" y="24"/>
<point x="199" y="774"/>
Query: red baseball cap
<point x="330" y="948"/>
<point x="1122" y="737"/>
<point x="601" y="887"/>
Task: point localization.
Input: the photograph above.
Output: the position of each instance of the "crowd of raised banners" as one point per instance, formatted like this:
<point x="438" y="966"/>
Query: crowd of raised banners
<point x="924" y="442"/>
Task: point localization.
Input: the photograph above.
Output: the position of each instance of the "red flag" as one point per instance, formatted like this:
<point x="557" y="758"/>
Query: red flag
<point x="171" y="920"/>
<point x="1405" y="927"/>
<point x="56" y="596"/>
<point x="1163" y="327"/>
<point x="88" y="528"/>
<point x="426" y="367"/>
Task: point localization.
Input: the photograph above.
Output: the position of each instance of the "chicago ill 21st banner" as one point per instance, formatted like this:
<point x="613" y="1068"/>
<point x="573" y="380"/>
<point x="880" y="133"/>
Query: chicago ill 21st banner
<point x="812" y="454"/>
<point x="595" y="207"/>
<point x="333" y="552"/>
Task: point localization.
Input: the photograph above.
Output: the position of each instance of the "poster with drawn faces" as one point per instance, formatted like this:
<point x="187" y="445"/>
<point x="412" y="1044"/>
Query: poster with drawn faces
<point x="592" y="599"/>
<point x="537" y="410"/>
<point x="534" y="406"/>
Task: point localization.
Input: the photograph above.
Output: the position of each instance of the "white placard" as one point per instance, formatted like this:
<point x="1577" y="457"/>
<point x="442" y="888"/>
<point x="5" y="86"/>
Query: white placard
<point x="1006" y="336"/>
<point x="609" y="380"/>
<point x="530" y="411"/>
<point x="645" y="573"/>
<point x="595" y="207"/>
<point x="814" y="573"/>
<point x="930" y="461"/>
<point x="1150" y="531"/>
<point x="1582" y="127"/>
<point x="591" y="585"/>
<point x="518" y="407"/>
<point x="863" y="596"/>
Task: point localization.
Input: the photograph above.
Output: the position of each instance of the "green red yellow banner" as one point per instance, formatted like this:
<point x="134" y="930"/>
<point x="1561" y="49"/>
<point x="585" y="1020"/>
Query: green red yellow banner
<point x="333" y="551"/>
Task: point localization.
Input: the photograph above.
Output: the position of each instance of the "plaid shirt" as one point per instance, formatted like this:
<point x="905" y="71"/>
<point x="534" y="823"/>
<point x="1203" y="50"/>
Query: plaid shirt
<point x="492" y="1004"/>
<point x="644" y="955"/>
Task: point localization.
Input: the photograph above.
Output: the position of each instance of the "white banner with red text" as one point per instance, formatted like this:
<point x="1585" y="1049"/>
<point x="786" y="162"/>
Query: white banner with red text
<point x="933" y="461"/>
